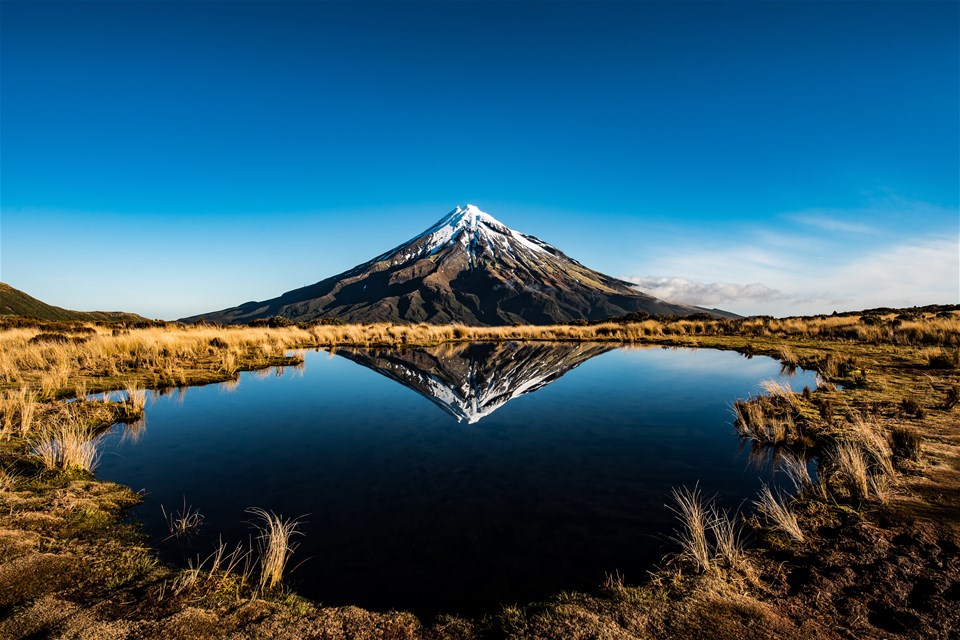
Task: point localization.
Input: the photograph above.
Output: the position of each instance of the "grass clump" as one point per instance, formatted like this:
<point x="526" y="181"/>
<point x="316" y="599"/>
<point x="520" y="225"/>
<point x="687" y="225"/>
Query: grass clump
<point x="275" y="545"/>
<point x="853" y="468"/>
<point x="728" y="539"/>
<point x="709" y="536"/>
<point x="225" y="572"/>
<point x="774" y="418"/>
<point x="18" y="409"/>
<point x="944" y="359"/>
<point x="777" y="510"/>
<point x="764" y="421"/>
<point x="795" y="467"/>
<point x="693" y="511"/>
<point x="185" y="521"/>
<point x="67" y="443"/>
<point x="905" y="444"/>
<point x="136" y="400"/>
<point x="8" y="479"/>
<point x="864" y="462"/>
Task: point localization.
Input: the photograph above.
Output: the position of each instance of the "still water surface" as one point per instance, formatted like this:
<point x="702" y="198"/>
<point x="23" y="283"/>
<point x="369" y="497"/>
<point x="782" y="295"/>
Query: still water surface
<point x="451" y="479"/>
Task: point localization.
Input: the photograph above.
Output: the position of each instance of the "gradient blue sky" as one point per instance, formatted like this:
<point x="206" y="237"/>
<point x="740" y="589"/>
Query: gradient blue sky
<point x="171" y="158"/>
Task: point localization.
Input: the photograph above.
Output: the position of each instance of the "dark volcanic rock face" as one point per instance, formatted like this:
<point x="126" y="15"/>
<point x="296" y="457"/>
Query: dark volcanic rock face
<point x="468" y="268"/>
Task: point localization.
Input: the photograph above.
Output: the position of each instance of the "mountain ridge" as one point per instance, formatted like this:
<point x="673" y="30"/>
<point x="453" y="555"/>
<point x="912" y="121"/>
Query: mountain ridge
<point x="469" y="268"/>
<point x="14" y="302"/>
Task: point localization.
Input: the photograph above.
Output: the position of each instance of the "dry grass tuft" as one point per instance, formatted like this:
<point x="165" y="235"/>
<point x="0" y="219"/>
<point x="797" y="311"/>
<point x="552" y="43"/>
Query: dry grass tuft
<point x="275" y="545"/>
<point x="782" y="390"/>
<point x="906" y="444"/>
<point x="184" y="521"/>
<point x="764" y="421"/>
<point x="853" y="468"/>
<point x="693" y="512"/>
<point x="225" y="568"/>
<point x="18" y="409"/>
<point x="613" y="581"/>
<point x="8" y="479"/>
<point x="778" y="511"/>
<point x="866" y="460"/>
<point x="27" y="409"/>
<point x="795" y="467"/>
<point x="787" y="356"/>
<point x="701" y="518"/>
<point x="728" y="539"/>
<point x="136" y="399"/>
<point x="67" y="443"/>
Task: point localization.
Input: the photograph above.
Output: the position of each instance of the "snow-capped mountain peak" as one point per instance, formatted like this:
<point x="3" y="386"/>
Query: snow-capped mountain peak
<point x="467" y="267"/>
<point x="468" y="226"/>
<point x="473" y="216"/>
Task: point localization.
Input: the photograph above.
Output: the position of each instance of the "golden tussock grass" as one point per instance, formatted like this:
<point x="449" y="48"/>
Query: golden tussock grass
<point x="795" y="467"/>
<point x="763" y="421"/>
<point x="709" y="538"/>
<point x="693" y="512"/>
<point x="782" y="390"/>
<point x="136" y="399"/>
<point x="728" y="539"/>
<point x="276" y="545"/>
<point x="225" y="570"/>
<point x="67" y="442"/>
<point x="853" y="468"/>
<point x="777" y="509"/>
<point x="18" y="409"/>
<point x="152" y="356"/>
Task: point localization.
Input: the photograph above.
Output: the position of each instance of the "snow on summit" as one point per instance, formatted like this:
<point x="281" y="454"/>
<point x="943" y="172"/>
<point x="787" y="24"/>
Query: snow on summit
<point x="468" y="226"/>
<point x="468" y="267"/>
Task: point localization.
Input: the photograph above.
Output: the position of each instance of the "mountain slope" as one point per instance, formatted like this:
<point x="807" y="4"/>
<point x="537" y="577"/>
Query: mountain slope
<point x="14" y="302"/>
<point x="468" y="268"/>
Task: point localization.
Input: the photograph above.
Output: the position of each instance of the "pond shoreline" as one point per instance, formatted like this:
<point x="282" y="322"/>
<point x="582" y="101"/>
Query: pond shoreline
<point x="70" y="565"/>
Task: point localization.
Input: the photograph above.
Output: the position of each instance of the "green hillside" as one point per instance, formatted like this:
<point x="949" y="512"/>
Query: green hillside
<point x="14" y="302"/>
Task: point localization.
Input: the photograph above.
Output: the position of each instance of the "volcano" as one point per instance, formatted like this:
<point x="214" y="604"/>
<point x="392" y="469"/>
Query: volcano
<point x="468" y="268"/>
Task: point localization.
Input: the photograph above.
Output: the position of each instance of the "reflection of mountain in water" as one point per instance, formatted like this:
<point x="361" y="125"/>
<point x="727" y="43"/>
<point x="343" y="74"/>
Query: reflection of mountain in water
<point x="471" y="381"/>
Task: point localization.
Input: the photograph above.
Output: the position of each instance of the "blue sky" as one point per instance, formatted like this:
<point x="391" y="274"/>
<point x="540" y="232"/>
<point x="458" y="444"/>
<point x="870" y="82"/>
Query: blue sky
<point x="171" y="158"/>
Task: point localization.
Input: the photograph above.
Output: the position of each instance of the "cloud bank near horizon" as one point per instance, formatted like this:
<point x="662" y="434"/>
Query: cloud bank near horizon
<point x="914" y="272"/>
<point x="683" y="290"/>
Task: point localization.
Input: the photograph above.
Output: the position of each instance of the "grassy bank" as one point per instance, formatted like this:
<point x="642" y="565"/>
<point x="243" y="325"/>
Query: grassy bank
<point x="64" y="359"/>
<point x="866" y="547"/>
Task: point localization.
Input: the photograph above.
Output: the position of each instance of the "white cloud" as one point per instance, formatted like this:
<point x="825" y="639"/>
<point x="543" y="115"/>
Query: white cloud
<point x="703" y="293"/>
<point x="914" y="271"/>
<point x="925" y="271"/>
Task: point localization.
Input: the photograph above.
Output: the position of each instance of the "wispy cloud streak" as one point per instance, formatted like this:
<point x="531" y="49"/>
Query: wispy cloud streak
<point x="831" y="223"/>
